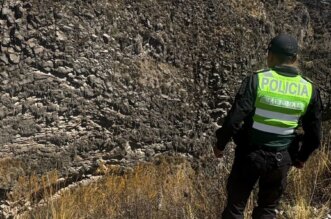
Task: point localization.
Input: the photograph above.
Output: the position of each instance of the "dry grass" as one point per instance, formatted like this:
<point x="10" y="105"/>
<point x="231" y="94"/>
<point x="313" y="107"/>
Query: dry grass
<point x="168" y="188"/>
<point x="28" y="187"/>
<point x="309" y="189"/>
<point x="171" y="188"/>
<point x="10" y="169"/>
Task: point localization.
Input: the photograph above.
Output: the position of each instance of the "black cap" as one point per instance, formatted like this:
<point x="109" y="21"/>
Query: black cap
<point x="284" y="44"/>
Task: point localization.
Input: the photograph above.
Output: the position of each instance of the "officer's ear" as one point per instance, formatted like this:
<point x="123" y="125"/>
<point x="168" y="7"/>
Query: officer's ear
<point x="294" y="59"/>
<point x="271" y="59"/>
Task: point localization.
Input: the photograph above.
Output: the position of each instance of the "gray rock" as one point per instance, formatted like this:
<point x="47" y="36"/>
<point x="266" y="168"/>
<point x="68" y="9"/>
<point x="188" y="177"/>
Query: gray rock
<point x="4" y="74"/>
<point x="48" y="64"/>
<point x="14" y="58"/>
<point x="106" y="38"/>
<point x="38" y="49"/>
<point x="53" y="107"/>
<point x="94" y="37"/>
<point x="6" y="11"/>
<point x="6" y="41"/>
<point x="159" y="26"/>
<point x="139" y="45"/>
<point x="61" y="36"/>
<point x="19" y="22"/>
<point x="19" y="11"/>
<point x="31" y="43"/>
<point x="10" y="21"/>
<point x="64" y="70"/>
<point x="4" y="58"/>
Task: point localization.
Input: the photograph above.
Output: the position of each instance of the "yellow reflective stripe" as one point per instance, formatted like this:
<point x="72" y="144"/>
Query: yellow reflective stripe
<point x="273" y="129"/>
<point x="277" y="115"/>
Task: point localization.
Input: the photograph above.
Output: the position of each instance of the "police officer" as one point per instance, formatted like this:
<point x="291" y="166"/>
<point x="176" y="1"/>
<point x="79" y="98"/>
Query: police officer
<point x="268" y="109"/>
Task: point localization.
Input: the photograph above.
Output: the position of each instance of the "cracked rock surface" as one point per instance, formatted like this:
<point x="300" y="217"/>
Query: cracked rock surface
<point x="128" y="80"/>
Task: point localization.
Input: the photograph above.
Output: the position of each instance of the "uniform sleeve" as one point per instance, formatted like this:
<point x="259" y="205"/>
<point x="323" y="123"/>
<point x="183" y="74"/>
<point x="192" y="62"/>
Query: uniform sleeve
<point x="241" y="108"/>
<point x="311" y="124"/>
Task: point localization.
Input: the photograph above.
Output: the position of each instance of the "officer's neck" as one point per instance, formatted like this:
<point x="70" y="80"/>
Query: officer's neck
<point x="287" y="69"/>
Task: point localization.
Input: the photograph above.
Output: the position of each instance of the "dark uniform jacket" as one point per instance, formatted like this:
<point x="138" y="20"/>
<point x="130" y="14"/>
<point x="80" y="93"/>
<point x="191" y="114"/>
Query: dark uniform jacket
<point x="239" y="120"/>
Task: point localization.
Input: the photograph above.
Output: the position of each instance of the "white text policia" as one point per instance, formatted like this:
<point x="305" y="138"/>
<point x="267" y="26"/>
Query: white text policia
<point x="293" y="88"/>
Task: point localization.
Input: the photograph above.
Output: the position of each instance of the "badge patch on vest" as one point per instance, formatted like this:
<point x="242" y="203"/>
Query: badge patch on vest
<point x="295" y="105"/>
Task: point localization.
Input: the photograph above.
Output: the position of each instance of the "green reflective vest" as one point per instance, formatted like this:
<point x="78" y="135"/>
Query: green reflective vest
<point x="280" y="102"/>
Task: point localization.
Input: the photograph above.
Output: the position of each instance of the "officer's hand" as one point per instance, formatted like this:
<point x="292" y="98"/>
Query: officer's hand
<point x="218" y="153"/>
<point x="298" y="164"/>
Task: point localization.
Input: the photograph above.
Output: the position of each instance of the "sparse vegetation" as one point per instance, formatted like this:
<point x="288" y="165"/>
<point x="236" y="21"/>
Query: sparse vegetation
<point x="309" y="189"/>
<point x="167" y="188"/>
<point x="171" y="188"/>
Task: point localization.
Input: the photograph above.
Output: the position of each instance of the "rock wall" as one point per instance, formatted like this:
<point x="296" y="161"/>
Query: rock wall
<point x="317" y="53"/>
<point x="128" y="80"/>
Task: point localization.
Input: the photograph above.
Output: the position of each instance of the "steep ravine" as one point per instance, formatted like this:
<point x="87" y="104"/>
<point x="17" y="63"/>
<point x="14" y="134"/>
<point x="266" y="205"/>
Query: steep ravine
<point x="125" y="81"/>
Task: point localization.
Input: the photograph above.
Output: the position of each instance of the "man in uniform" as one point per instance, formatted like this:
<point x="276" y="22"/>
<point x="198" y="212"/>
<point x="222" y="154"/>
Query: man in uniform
<point x="263" y="121"/>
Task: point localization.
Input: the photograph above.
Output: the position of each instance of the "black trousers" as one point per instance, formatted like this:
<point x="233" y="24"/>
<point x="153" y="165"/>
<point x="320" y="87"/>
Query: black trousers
<point x="270" y="169"/>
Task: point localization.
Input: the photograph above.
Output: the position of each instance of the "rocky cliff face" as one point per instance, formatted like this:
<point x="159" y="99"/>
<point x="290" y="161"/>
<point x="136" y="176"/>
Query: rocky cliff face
<point x="127" y="80"/>
<point x="317" y="53"/>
